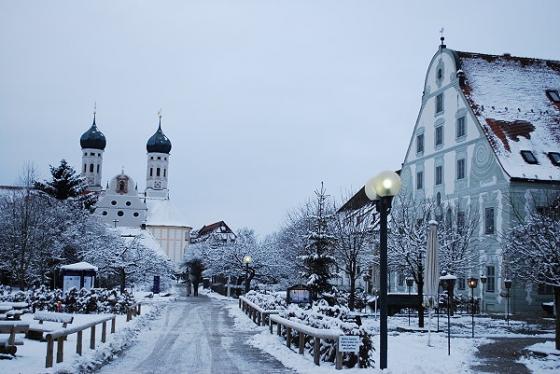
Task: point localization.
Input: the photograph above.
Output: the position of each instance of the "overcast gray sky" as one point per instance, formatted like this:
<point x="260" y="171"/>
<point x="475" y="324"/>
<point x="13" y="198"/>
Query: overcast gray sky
<point x="262" y="100"/>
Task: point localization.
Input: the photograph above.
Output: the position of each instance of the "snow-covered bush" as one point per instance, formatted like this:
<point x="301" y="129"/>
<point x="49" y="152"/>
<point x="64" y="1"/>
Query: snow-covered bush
<point x="270" y="301"/>
<point x="96" y="300"/>
<point x="321" y="315"/>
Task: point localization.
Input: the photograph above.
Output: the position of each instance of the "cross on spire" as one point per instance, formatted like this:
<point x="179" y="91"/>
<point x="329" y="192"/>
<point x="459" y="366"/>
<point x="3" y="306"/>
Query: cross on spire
<point x="442" y="38"/>
<point x="94" y="111"/>
<point x="159" y="116"/>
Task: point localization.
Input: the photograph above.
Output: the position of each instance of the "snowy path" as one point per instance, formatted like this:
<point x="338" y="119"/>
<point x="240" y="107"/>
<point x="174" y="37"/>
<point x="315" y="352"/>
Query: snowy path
<point x="194" y="335"/>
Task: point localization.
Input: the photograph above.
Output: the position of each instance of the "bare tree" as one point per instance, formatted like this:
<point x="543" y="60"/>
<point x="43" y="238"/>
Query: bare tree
<point x="354" y="250"/>
<point x="531" y="248"/>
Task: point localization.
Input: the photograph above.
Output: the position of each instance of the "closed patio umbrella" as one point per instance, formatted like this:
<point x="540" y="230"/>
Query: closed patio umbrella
<point x="431" y="273"/>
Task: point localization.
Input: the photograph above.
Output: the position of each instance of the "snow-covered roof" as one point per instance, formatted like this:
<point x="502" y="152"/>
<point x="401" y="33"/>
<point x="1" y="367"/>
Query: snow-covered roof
<point x="161" y="212"/>
<point x="79" y="266"/>
<point x="144" y="236"/>
<point x="509" y="97"/>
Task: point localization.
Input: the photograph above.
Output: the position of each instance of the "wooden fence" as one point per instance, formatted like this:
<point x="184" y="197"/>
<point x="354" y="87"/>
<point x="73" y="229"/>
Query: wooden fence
<point x="61" y="335"/>
<point x="259" y="315"/>
<point x="304" y="333"/>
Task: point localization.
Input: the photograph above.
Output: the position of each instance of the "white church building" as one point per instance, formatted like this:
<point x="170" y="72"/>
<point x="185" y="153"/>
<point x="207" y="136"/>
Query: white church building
<point x="122" y="206"/>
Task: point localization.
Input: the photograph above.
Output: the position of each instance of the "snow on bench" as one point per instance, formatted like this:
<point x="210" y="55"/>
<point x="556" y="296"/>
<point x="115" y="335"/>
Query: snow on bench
<point x="8" y="339"/>
<point x="36" y="330"/>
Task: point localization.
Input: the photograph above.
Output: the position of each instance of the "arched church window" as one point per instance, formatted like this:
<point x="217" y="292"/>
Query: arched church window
<point x="122" y="187"/>
<point x="158" y="170"/>
<point x="164" y="172"/>
<point x="85" y="167"/>
<point x="91" y="168"/>
<point x="97" y="168"/>
<point x="151" y="172"/>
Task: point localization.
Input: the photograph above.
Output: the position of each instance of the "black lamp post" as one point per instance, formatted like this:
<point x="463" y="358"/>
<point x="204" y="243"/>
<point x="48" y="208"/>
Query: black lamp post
<point x="483" y="279"/>
<point x="381" y="189"/>
<point x="472" y="282"/>
<point x="507" y="284"/>
<point x="247" y="260"/>
<point x="409" y="283"/>
<point x="448" y="283"/>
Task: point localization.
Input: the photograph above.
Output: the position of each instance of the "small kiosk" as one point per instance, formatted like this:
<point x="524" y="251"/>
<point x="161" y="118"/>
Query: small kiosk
<point x="79" y="275"/>
<point x="299" y="294"/>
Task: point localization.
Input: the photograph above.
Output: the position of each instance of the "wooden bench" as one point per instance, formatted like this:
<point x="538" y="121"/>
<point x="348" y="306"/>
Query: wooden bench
<point x="8" y="338"/>
<point x="15" y="310"/>
<point x="37" y="330"/>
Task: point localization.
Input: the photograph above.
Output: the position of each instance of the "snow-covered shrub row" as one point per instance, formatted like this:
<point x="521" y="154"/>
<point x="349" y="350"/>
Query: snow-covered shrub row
<point x="92" y="361"/>
<point x="321" y="315"/>
<point x="268" y="301"/>
<point x="96" y="300"/>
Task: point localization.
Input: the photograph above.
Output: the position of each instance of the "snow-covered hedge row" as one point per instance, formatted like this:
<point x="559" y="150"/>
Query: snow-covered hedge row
<point x="268" y="301"/>
<point x="321" y="315"/>
<point x="97" y="300"/>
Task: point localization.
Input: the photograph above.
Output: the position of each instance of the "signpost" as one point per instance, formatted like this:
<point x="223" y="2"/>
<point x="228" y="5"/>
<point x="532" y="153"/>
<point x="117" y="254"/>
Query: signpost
<point x="349" y="343"/>
<point x="298" y="294"/>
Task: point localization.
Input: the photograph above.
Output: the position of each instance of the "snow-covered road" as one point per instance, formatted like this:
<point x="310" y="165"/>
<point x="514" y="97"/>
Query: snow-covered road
<point x="194" y="335"/>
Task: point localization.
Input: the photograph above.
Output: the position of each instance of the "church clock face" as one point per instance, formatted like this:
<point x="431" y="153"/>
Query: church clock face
<point x="157" y="184"/>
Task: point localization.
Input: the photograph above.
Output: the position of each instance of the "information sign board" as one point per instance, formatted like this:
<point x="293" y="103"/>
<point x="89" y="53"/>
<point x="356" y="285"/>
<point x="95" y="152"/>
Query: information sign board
<point x="349" y="343"/>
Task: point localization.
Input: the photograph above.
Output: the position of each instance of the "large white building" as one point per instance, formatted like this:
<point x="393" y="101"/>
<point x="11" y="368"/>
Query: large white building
<point x="121" y="205"/>
<point x="487" y="139"/>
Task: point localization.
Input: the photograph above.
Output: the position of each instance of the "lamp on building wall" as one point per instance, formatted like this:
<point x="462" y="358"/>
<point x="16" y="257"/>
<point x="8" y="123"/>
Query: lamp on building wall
<point x="472" y="282"/>
<point x="247" y="260"/>
<point x="381" y="189"/>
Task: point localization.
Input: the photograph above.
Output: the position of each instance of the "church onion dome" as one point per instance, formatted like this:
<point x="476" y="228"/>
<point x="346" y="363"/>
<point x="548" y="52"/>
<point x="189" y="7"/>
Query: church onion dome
<point x="93" y="138"/>
<point x="159" y="143"/>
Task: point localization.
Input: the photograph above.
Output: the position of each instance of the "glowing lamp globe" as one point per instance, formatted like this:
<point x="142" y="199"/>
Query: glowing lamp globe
<point x="387" y="183"/>
<point x="247" y="259"/>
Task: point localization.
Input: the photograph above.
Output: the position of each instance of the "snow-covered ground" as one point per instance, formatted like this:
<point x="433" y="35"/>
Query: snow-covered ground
<point x="408" y="352"/>
<point x="30" y="357"/>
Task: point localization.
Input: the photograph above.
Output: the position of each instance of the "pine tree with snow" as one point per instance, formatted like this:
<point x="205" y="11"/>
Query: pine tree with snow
<point x="65" y="184"/>
<point x="318" y="259"/>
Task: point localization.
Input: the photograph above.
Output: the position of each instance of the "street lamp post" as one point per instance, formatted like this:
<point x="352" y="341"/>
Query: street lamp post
<point x="473" y="282"/>
<point x="381" y="189"/>
<point x="409" y="283"/>
<point x="507" y="284"/>
<point x="247" y="260"/>
<point x="448" y="282"/>
<point x="483" y="279"/>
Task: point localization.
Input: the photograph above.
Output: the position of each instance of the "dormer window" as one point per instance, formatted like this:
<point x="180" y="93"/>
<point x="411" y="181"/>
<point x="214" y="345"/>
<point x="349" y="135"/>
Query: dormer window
<point x="529" y="157"/>
<point x="553" y="95"/>
<point x="554" y="158"/>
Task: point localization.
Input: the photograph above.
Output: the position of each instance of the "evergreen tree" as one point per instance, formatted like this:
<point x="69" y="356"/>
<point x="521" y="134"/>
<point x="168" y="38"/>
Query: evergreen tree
<point x="65" y="182"/>
<point x="318" y="259"/>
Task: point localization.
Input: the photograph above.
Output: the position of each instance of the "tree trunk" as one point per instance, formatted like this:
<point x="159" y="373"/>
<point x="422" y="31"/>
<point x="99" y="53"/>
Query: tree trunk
<point x="557" y="310"/>
<point x="352" y="298"/>
<point x="420" y="304"/>
<point x="123" y="280"/>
